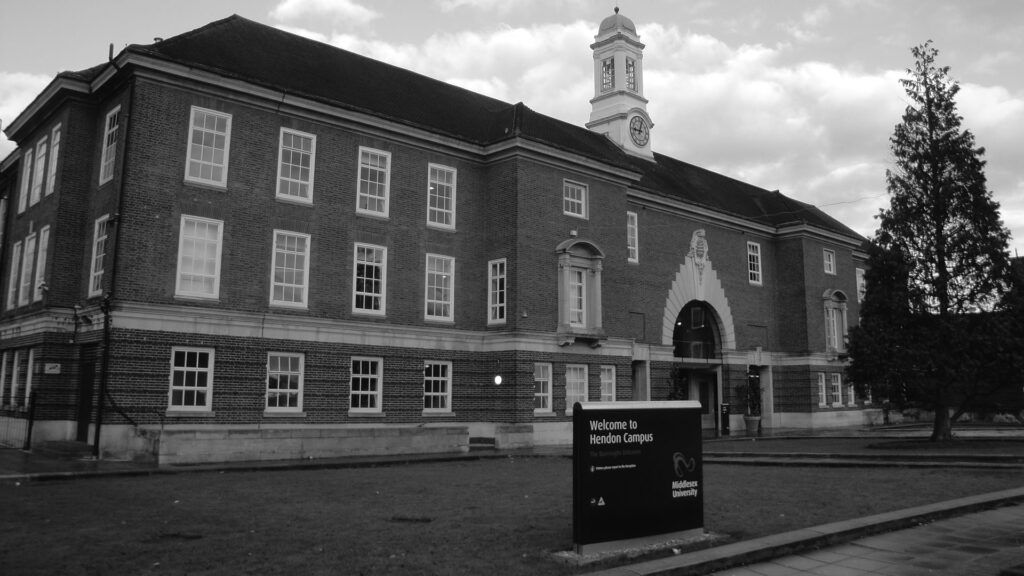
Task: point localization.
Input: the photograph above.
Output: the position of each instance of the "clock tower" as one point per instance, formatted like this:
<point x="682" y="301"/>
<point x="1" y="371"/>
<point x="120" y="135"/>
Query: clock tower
<point x="619" y="107"/>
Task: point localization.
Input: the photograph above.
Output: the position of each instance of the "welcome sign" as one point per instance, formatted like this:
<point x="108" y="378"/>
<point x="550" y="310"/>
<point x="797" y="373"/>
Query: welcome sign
<point x="637" y="471"/>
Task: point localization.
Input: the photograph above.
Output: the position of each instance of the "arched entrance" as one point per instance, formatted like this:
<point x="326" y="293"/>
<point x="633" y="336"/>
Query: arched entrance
<point x="697" y="344"/>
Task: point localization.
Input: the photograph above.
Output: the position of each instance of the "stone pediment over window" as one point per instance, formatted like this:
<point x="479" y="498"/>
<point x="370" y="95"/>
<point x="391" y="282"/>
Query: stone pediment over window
<point x="579" y="293"/>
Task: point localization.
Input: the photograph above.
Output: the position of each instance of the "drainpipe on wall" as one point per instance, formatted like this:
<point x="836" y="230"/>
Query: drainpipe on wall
<point x="108" y="299"/>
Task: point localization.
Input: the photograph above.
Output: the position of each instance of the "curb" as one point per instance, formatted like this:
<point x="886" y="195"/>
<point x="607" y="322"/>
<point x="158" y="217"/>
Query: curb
<point x="797" y="541"/>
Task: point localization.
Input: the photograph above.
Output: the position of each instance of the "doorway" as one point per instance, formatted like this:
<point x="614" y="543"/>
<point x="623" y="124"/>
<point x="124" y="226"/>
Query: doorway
<point x="704" y="387"/>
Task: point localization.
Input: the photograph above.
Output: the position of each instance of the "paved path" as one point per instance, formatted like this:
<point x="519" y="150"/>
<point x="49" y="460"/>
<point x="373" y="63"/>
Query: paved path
<point x="983" y="544"/>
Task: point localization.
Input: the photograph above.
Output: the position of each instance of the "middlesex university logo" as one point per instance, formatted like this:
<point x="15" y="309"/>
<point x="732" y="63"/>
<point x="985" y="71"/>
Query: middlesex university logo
<point x="682" y="464"/>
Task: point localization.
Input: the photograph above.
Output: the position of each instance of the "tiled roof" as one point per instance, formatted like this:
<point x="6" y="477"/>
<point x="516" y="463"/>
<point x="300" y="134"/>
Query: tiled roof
<point x="236" y="47"/>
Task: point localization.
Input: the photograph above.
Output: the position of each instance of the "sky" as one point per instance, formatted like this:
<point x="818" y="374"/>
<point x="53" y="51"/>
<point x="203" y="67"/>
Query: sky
<point x="799" y="96"/>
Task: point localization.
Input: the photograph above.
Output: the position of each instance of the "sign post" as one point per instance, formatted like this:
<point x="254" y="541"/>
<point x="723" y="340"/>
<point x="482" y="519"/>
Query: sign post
<point x="637" y="473"/>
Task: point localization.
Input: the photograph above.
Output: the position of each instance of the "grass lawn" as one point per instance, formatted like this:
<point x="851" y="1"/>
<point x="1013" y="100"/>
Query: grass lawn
<point x="489" y="517"/>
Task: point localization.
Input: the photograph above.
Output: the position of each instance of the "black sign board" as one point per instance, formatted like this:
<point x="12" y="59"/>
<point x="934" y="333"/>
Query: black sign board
<point x="637" y="470"/>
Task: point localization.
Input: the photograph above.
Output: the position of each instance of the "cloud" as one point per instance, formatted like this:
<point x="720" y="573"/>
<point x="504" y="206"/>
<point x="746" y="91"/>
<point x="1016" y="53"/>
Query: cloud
<point x="347" y="12"/>
<point x="17" y="90"/>
<point x="500" y="7"/>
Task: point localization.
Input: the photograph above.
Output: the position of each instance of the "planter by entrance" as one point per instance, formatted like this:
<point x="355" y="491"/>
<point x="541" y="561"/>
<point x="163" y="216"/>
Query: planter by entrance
<point x="753" y="424"/>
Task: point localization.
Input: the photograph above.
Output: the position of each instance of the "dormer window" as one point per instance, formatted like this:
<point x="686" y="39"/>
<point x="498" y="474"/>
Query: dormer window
<point x="607" y="74"/>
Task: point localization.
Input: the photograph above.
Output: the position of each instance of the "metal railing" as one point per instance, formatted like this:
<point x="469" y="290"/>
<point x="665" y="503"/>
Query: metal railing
<point x="16" y="424"/>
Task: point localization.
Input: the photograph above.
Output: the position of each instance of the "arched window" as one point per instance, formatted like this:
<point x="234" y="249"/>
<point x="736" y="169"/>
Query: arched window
<point x="579" y="291"/>
<point x="696" y="333"/>
<point x="835" y="321"/>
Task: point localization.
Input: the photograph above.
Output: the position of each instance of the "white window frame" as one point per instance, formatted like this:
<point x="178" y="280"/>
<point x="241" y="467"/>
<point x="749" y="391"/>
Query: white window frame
<point x="287" y="374"/>
<point x="286" y="171"/>
<point x="608" y="74"/>
<point x="837" y="389"/>
<point x="442" y="398"/>
<point x="29" y="369"/>
<point x="608" y="383"/>
<point x="436" y="212"/>
<point x="862" y="286"/>
<point x="578" y="297"/>
<point x="365" y="197"/>
<point x="179" y="289"/>
<point x="27" y="261"/>
<point x="185" y="369"/>
<point x="376" y="395"/>
<point x="822" y="391"/>
<point x="380" y="296"/>
<point x="111" y="126"/>
<point x="576" y="387"/>
<point x="497" y="291"/>
<point x="632" y="238"/>
<point x="754" y="271"/>
<point x="290" y="256"/>
<point x="38" y="172"/>
<point x="851" y="396"/>
<point x="835" y="325"/>
<point x="439" y="284"/>
<point x="542" y="388"/>
<point x="204" y="154"/>
<point x="829" y="257"/>
<point x="631" y="84"/>
<point x="51" y="171"/>
<point x="99" y="252"/>
<point x="574" y="199"/>
<point x="26" y="180"/>
<point x="41" y="256"/>
<point x="14" y="279"/>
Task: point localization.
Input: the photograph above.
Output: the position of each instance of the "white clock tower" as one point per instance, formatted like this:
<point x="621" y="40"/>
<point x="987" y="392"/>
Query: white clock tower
<point x="619" y="107"/>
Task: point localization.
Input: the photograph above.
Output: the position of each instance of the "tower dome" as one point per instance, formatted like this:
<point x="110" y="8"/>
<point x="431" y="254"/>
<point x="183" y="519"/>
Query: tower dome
<point x="615" y="22"/>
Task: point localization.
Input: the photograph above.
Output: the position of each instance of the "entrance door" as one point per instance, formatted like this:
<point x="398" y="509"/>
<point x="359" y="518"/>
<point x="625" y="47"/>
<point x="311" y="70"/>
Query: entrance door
<point x="85" y="386"/>
<point x="640" y="380"/>
<point x="703" y="387"/>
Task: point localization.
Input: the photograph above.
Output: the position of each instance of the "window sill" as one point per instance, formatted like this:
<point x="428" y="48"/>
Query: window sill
<point x="195" y="298"/>
<point x="448" y="321"/>
<point x="269" y="414"/>
<point x="190" y="414"/>
<point x="374" y="215"/>
<point x="570" y="335"/>
<point x="437" y="414"/>
<point x="206" y="185"/>
<point x="834" y="405"/>
<point x="287" y="306"/>
<point x="369" y="314"/>
<point x="440" y="227"/>
<point x="352" y="414"/>
<point x="294" y="201"/>
<point x="544" y="414"/>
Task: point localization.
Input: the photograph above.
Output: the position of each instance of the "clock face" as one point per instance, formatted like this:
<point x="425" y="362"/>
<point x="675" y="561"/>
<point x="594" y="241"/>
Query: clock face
<point x="638" y="131"/>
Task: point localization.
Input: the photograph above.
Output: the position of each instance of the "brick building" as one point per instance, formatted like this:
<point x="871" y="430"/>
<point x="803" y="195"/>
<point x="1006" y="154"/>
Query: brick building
<point x="254" y="245"/>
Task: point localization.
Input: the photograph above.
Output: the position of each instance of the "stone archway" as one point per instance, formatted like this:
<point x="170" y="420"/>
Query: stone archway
<point x="697" y="279"/>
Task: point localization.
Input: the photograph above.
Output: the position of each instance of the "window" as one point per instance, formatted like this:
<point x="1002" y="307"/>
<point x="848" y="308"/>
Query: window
<point x="862" y="285"/>
<point x="191" y="379"/>
<point x="51" y="172"/>
<point x="441" y="197"/>
<point x="284" y="382"/>
<point x="607" y="74"/>
<point x="837" y="389"/>
<point x="40" y="281"/>
<point x="295" y="166"/>
<point x="368" y="293"/>
<point x="38" y="173"/>
<point x="754" y="263"/>
<point x="109" y="155"/>
<point x="209" y="141"/>
<point x="99" y="251"/>
<point x="542" y="387"/>
<point x="574" y="199"/>
<point x="26" y="180"/>
<point x="374" y="182"/>
<point x="632" y="238"/>
<point x="607" y="383"/>
<point x="366" y="385"/>
<point x="290" y="270"/>
<point x="697" y="318"/>
<point x="851" y="396"/>
<point x="28" y="377"/>
<point x="835" y="321"/>
<point x="631" y="74"/>
<point x="12" y="278"/>
<point x="578" y="297"/>
<point x="575" y="386"/>
<point x="199" y="248"/>
<point x="579" y="290"/>
<point x="437" y="386"/>
<point x="15" y="377"/>
<point x="822" y="398"/>
<point x="830" y="261"/>
<point x="25" y="292"/>
<point x="440" y="284"/>
<point x="496" y="291"/>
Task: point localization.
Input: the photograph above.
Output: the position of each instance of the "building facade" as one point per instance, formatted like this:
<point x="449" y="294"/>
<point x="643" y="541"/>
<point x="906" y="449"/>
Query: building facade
<point x="238" y="243"/>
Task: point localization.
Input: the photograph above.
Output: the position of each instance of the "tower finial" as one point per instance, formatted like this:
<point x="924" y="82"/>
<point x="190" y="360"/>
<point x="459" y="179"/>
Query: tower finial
<point x="616" y="9"/>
